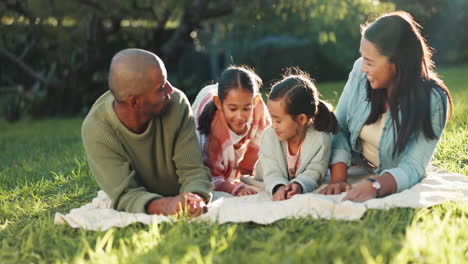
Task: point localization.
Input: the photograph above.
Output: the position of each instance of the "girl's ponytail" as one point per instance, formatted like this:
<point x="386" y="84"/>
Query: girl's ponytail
<point x="206" y="117"/>
<point x="300" y="96"/>
<point x="325" y="120"/>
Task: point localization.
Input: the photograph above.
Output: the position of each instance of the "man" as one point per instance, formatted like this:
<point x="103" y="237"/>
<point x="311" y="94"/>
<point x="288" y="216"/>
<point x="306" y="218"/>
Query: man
<point x="141" y="143"/>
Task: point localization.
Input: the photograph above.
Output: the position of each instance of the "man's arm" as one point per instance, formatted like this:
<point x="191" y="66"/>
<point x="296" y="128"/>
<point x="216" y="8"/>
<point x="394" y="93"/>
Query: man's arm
<point x="194" y="177"/>
<point x="112" y="170"/>
<point x="190" y="203"/>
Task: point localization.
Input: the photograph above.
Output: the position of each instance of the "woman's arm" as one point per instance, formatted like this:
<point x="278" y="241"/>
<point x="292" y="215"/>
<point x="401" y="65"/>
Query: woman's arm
<point x="338" y="184"/>
<point x="365" y="190"/>
<point x="420" y="150"/>
<point x="341" y="148"/>
<point x="414" y="159"/>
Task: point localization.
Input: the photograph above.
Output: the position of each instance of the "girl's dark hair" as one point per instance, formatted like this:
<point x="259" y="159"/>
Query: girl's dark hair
<point x="300" y="96"/>
<point x="398" y="37"/>
<point x="234" y="77"/>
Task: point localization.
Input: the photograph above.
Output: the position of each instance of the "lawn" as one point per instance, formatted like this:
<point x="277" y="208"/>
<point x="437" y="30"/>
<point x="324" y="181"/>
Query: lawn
<point x="43" y="170"/>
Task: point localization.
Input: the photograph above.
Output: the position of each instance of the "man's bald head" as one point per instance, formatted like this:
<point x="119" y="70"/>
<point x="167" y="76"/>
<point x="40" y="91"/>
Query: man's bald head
<point x="129" y="72"/>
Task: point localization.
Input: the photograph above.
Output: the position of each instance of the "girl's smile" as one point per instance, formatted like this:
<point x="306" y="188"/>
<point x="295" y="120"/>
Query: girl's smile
<point x="237" y="108"/>
<point x="285" y="126"/>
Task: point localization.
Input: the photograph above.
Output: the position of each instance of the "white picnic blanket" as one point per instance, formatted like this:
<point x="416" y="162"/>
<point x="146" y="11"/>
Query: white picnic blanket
<point x="439" y="186"/>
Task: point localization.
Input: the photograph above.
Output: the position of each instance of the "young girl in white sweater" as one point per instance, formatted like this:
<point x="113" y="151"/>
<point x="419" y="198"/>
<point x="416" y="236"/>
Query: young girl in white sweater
<point x="295" y="150"/>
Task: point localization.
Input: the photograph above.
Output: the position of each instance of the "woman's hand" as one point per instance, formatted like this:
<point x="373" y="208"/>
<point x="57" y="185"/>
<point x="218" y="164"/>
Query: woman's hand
<point x="243" y="191"/>
<point x="280" y="193"/>
<point x="362" y="192"/>
<point x="335" y="188"/>
<point x="338" y="176"/>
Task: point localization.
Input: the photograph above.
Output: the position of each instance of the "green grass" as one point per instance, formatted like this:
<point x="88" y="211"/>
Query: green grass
<point x="43" y="170"/>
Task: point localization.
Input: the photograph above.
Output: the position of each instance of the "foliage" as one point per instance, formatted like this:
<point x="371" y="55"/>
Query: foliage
<point x="43" y="170"/>
<point x="63" y="48"/>
<point x="443" y="22"/>
<point x="59" y="51"/>
<point x="320" y="36"/>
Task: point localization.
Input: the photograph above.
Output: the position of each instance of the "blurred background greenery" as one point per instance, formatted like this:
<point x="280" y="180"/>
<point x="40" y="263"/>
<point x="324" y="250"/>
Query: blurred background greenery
<point x="54" y="55"/>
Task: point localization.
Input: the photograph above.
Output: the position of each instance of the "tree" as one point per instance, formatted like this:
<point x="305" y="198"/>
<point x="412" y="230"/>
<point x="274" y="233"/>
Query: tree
<point x="443" y="24"/>
<point x="319" y="36"/>
<point x="62" y="48"/>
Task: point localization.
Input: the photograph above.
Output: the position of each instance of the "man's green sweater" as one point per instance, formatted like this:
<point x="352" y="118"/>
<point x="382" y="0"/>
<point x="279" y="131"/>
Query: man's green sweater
<point x="134" y="169"/>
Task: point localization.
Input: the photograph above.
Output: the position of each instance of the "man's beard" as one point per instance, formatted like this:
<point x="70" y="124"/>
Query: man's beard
<point x="165" y="108"/>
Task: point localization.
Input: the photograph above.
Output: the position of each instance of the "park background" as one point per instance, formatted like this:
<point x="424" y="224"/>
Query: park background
<point x="55" y="54"/>
<point x="54" y="58"/>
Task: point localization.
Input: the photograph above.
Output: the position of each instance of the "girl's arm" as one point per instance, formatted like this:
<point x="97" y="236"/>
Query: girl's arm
<point x="270" y="158"/>
<point x="223" y="185"/>
<point x="316" y="153"/>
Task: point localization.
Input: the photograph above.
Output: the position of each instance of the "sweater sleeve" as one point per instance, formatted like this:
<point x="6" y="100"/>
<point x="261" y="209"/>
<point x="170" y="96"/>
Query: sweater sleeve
<point x="316" y="167"/>
<point x="112" y="169"/>
<point x="193" y="175"/>
<point x="273" y="172"/>
<point x="341" y="146"/>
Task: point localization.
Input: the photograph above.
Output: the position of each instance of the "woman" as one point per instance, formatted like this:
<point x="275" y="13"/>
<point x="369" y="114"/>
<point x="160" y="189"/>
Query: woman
<point x="392" y="111"/>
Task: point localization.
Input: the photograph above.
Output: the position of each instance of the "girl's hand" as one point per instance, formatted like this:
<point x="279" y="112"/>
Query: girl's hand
<point x="243" y="191"/>
<point x="280" y="194"/>
<point x="361" y="192"/>
<point x="292" y="189"/>
<point x="335" y="188"/>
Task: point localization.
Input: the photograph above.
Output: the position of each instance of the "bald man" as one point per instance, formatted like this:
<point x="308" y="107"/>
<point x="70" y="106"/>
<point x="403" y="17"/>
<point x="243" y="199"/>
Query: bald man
<point x="140" y="141"/>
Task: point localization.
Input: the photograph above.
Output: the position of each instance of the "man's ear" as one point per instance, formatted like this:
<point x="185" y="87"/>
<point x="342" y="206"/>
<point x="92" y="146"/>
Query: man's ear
<point x="394" y="69"/>
<point x="302" y="119"/>
<point x="132" y="101"/>
<point x="217" y="102"/>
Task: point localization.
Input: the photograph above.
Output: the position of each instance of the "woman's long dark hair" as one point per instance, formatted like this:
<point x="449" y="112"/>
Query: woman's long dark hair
<point x="398" y="37"/>
<point x="234" y="77"/>
<point x="300" y="96"/>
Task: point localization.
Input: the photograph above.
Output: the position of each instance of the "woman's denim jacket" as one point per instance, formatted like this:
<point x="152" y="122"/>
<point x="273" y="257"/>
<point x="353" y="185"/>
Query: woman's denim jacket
<point x="408" y="167"/>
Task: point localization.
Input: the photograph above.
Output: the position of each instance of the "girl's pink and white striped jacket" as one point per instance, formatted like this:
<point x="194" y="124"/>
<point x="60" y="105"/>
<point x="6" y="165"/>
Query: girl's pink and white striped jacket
<point x="218" y="149"/>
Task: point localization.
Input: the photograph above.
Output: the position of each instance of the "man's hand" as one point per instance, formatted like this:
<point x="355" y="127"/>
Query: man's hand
<point x="243" y="191"/>
<point x="191" y="203"/>
<point x="335" y="188"/>
<point x="280" y="193"/>
<point x="361" y="192"/>
<point x="292" y="189"/>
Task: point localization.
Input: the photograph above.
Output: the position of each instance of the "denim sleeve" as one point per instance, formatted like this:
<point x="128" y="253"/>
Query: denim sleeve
<point x="419" y="152"/>
<point x="341" y="146"/>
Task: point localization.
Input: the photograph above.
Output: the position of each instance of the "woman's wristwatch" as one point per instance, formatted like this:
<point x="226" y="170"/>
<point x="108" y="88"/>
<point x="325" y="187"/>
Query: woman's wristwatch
<point x="376" y="185"/>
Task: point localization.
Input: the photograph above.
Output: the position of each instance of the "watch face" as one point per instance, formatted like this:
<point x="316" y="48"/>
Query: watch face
<point x="376" y="185"/>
